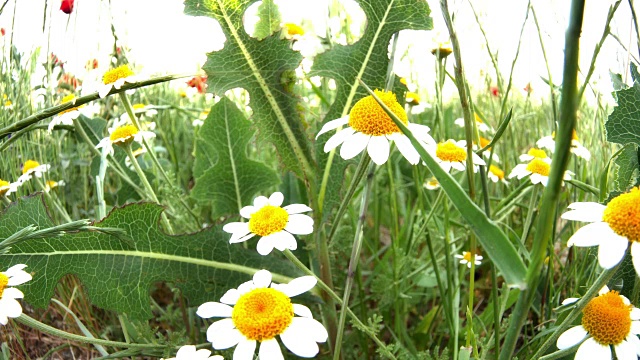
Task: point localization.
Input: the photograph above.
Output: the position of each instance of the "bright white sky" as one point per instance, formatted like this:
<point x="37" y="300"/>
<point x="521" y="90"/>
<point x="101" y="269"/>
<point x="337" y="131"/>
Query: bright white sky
<point x="161" y="39"/>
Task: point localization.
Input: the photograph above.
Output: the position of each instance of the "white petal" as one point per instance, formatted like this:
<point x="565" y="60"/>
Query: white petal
<point x="354" y="145"/>
<point x="104" y="90"/>
<point x="222" y="335"/>
<point x="230" y="297"/>
<point x="298" y="286"/>
<point x="611" y="251"/>
<point x="446" y="166"/>
<point x="214" y="309"/>
<point x="246" y="237"/>
<point x="571" y="337"/>
<point x="520" y="171"/>
<point x="3" y="318"/>
<point x="284" y="240"/>
<point x="297" y="208"/>
<point x="635" y="256"/>
<point x="477" y="159"/>
<point x="585" y="211"/>
<point x="604" y="290"/>
<point x="635" y="327"/>
<point x="635" y="341"/>
<point x="302" y="310"/>
<point x="590" y="350"/>
<point x="333" y="124"/>
<point x="421" y="133"/>
<point x="12" y="293"/>
<point x="260" y="202"/>
<point x="590" y="235"/>
<point x="262" y="278"/>
<point x="276" y="199"/>
<point x="458" y="165"/>
<point x="635" y="314"/>
<point x="266" y="244"/>
<point x="525" y="157"/>
<point x="187" y="350"/>
<point x="378" y="149"/>
<point x="338" y="139"/>
<point x="237" y="229"/>
<point x="459" y="122"/>
<point x="270" y="350"/>
<point x="245" y="350"/>
<point x="301" y="336"/>
<point x="17" y="276"/>
<point x="299" y="224"/>
<point x="406" y="149"/>
<point x="10" y="308"/>
<point x="625" y="351"/>
<point x="568" y="301"/>
<point x="247" y="211"/>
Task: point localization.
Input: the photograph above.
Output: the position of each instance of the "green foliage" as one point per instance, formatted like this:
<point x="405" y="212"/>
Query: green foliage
<point x="224" y="174"/>
<point x="623" y="125"/>
<point x="269" y="19"/>
<point x="627" y="168"/>
<point x="118" y="272"/>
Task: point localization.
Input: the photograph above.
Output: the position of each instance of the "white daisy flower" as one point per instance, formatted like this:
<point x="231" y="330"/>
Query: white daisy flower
<point x="123" y="135"/>
<point x="482" y="127"/>
<point x="609" y="319"/>
<point x="189" y="352"/>
<point x="276" y="225"/>
<point x="371" y="128"/>
<point x="539" y="171"/>
<point x="115" y="78"/>
<point x="140" y="110"/>
<point x="412" y="98"/>
<point x="200" y="120"/>
<point x="7" y="103"/>
<point x="50" y="184"/>
<point x="535" y="153"/>
<point x="612" y="227"/>
<point x="259" y="313"/>
<point x="32" y="168"/>
<point x="432" y="184"/>
<point x="484" y="142"/>
<point x="9" y="306"/>
<point x="67" y="116"/>
<point x="496" y="174"/>
<point x="452" y="154"/>
<point x="136" y="153"/>
<point x="7" y="188"/>
<point x="467" y="257"/>
<point x="549" y="143"/>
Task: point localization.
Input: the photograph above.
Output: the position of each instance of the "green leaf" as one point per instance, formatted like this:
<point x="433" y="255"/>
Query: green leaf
<point x="627" y="168"/>
<point x="118" y="273"/>
<point x="258" y="67"/>
<point x="368" y="60"/>
<point x="224" y="174"/>
<point x="623" y="125"/>
<point x="269" y="20"/>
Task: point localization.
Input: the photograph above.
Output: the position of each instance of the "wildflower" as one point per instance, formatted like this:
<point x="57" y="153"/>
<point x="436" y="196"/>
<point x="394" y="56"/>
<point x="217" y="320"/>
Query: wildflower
<point x="66" y="6"/>
<point x="7" y="188"/>
<point x="495" y="91"/>
<point x="123" y="135"/>
<point x="51" y="184"/>
<point x="261" y="311"/>
<point x="371" y="128"/>
<point x="2" y="31"/>
<point x="467" y="257"/>
<point x="198" y="82"/>
<point x="7" y="103"/>
<point x="403" y="81"/>
<point x="200" y="120"/>
<point x="453" y="154"/>
<point x="485" y="142"/>
<point x="9" y="307"/>
<point x="549" y="143"/>
<point x="412" y="98"/>
<point x="538" y="169"/>
<point x="91" y="64"/>
<point x="292" y="31"/>
<point x="65" y="117"/>
<point x="613" y="226"/>
<point x="432" y="184"/>
<point x="115" y="78"/>
<point x="31" y="168"/>
<point x="140" y="110"/>
<point x="608" y="319"/>
<point x="273" y="223"/>
<point x="442" y="50"/>
<point x="69" y="81"/>
<point x="189" y="352"/>
<point x="528" y="89"/>
<point x="496" y="174"/>
<point x="535" y="153"/>
<point x="136" y="153"/>
<point x="482" y="127"/>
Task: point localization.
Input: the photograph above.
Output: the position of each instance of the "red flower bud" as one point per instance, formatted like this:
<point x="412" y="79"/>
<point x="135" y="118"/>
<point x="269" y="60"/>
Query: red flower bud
<point x="66" y="6"/>
<point x="2" y="31"/>
<point x="494" y="91"/>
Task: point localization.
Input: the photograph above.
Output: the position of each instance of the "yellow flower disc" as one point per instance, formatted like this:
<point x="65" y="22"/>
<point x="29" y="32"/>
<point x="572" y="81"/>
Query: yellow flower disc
<point x="4" y="280"/>
<point x="367" y="116"/>
<point x="138" y="106"/>
<point x="123" y="134"/>
<point x="66" y="99"/>
<point x="113" y="75"/>
<point x="449" y="151"/>
<point x="537" y="166"/>
<point x="8" y="103"/>
<point x="52" y="184"/>
<point x="29" y="165"/>
<point x="607" y="318"/>
<point x="574" y="135"/>
<point x="412" y="98"/>
<point x="293" y="29"/>
<point x="497" y="172"/>
<point x="478" y="120"/>
<point x="484" y="142"/>
<point x="537" y="153"/>
<point x="262" y="313"/>
<point x="268" y="220"/>
<point x="623" y="215"/>
<point x="466" y="256"/>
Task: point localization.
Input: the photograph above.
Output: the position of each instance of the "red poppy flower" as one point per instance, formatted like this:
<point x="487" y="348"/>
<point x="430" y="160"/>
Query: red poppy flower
<point x="494" y="91"/>
<point x="66" y="6"/>
<point x="199" y="82"/>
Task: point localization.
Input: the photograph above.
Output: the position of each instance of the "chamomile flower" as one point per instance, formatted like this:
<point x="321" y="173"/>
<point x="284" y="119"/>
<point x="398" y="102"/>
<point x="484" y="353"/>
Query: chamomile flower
<point x="123" y="135"/>
<point x="200" y="120"/>
<point x="484" y="142"/>
<point x="612" y="227"/>
<point x="412" y="98"/>
<point x="549" y="143"/>
<point x="432" y="184"/>
<point x="292" y="31"/>
<point x="535" y="153"/>
<point x="136" y="153"/>
<point x="538" y="169"/>
<point x="140" y="110"/>
<point x="467" y="257"/>
<point x="67" y="116"/>
<point x="496" y="174"/>
<point x="189" y="352"/>
<point x="608" y="319"/>
<point x="115" y="78"/>
<point x="482" y="127"/>
<point x="32" y="168"/>
<point x="442" y="50"/>
<point x="51" y="184"/>
<point x="276" y="225"/>
<point x="9" y="306"/>
<point x="452" y="154"/>
<point x="7" y="188"/>
<point x="260" y="311"/>
<point x="371" y="128"/>
<point x="6" y="102"/>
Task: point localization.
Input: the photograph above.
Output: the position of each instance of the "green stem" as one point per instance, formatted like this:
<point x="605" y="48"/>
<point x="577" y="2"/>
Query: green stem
<point x="53" y="201"/>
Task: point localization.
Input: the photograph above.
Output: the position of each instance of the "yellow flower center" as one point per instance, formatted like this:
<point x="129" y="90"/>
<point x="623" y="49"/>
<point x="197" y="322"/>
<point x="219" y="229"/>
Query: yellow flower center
<point x="29" y="165"/>
<point x="442" y="51"/>
<point x="262" y="313"/>
<point x="367" y="116"/>
<point x="478" y="120"/>
<point x="51" y="184"/>
<point x="4" y="280"/>
<point x="466" y="256"/>
<point x="113" y="75"/>
<point x="66" y="99"/>
<point x="623" y="215"/>
<point x="293" y="29"/>
<point x="138" y="106"/>
<point x="497" y="172"/>
<point x="8" y="103"/>
<point x="449" y="151"/>
<point x="412" y="98"/>
<point x="484" y="142"/>
<point x="123" y="134"/>
<point x="538" y="166"/>
<point x="403" y="81"/>
<point x="607" y="318"/>
<point x="537" y="153"/>
<point x="433" y="182"/>
<point x="574" y="136"/>
<point x="268" y="220"/>
<point x="4" y="187"/>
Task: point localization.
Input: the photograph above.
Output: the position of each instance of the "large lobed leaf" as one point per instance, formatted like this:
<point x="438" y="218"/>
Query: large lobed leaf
<point x="119" y="272"/>
<point x="224" y="174"/>
<point x="259" y="67"/>
<point x="623" y="125"/>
